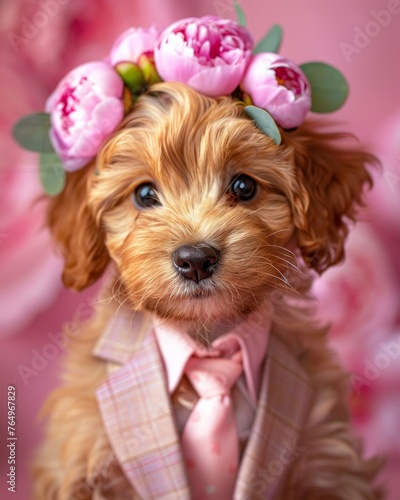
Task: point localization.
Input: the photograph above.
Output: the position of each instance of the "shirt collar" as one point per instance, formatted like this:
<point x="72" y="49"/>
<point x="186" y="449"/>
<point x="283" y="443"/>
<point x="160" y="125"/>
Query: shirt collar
<point x="176" y="347"/>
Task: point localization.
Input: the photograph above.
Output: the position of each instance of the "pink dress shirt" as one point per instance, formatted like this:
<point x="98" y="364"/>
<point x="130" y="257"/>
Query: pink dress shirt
<point x="176" y="347"/>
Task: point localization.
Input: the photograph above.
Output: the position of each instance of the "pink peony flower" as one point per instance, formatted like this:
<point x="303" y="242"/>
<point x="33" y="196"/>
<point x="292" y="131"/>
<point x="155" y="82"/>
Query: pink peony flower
<point x="209" y="54"/>
<point x="277" y="85"/>
<point x="85" y="109"/>
<point x="132" y="43"/>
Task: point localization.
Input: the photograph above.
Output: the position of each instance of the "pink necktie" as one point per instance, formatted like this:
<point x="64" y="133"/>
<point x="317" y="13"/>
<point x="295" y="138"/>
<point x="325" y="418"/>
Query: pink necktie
<point x="209" y="439"/>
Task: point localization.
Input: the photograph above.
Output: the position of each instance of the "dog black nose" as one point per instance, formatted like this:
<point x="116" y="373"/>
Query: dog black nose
<point x="196" y="262"/>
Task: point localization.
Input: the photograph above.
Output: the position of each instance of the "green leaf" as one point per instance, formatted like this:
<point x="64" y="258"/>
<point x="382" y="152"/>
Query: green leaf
<point x="264" y="122"/>
<point x="329" y="88"/>
<point x="271" y="42"/>
<point x="52" y="174"/>
<point x="240" y="15"/>
<point x="32" y="132"/>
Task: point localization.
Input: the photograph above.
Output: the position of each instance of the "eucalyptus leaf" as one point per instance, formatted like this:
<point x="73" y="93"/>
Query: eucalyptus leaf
<point x="52" y="174"/>
<point x="264" y="122"/>
<point x="329" y="88"/>
<point x="240" y="15"/>
<point x="32" y="133"/>
<point x="271" y="42"/>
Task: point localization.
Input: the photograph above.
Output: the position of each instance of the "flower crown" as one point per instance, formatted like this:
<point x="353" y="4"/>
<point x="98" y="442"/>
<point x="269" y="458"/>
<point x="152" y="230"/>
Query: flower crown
<point x="212" y="55"/>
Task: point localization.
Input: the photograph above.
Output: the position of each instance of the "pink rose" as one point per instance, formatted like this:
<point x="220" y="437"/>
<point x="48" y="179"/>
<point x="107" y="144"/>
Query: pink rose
<point x="85" y="109"/>
<point x="209" y="54"/>
<point x="132" y="43"/>
<point x="277" y="85"/>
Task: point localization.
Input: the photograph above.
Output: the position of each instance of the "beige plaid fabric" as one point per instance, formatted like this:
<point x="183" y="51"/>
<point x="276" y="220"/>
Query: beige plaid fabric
<point x="138" y="418"/>
<point x="283" y="403"/>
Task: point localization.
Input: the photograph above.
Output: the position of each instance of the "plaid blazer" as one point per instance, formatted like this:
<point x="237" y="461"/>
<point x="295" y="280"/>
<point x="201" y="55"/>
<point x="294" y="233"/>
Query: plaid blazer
<point x="138" y="416"/>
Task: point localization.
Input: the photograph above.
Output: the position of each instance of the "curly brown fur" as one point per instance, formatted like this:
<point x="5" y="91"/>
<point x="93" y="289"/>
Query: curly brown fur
<point x="191" y="147"/>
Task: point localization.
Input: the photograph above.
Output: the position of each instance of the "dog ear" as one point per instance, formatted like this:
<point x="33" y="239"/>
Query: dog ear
<point x="76" y="231"/>
<point x="331" y="178"/>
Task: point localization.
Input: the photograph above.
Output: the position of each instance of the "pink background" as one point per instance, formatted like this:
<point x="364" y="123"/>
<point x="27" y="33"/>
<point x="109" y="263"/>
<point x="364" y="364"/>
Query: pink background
<point x="361" y="298"/>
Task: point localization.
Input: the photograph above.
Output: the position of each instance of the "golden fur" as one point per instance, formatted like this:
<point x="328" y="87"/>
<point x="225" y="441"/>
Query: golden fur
<point x="191" y="147"/>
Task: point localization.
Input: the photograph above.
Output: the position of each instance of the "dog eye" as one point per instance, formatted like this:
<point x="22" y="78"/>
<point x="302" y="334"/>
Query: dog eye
<point x="243" y="188"/>
<point x="145" y="196"/>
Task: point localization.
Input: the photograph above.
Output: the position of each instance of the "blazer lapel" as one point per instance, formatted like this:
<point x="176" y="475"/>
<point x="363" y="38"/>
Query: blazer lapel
<point x="284" y="401"/>
<point x="136" y="411"/>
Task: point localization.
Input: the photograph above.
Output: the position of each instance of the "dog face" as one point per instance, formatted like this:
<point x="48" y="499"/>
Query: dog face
<point x="198" y="208"/>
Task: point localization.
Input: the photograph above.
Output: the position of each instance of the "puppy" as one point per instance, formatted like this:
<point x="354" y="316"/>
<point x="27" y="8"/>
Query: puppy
<point x="185" y="170"/>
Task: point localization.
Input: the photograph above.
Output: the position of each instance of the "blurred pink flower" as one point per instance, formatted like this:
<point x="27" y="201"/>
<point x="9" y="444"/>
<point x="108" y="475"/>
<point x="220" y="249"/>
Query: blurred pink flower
<point x="209" y="54"/>
<point x="277" y="85"/>
<point x="375" y="381"/>
<point x="30" y="270"/>
<point x="132" y="43"/>
<point x="384" y="199"/>
<point x="76" y="30"/>
<point x="359" y="297"/>
<point x="85" y="109"/>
